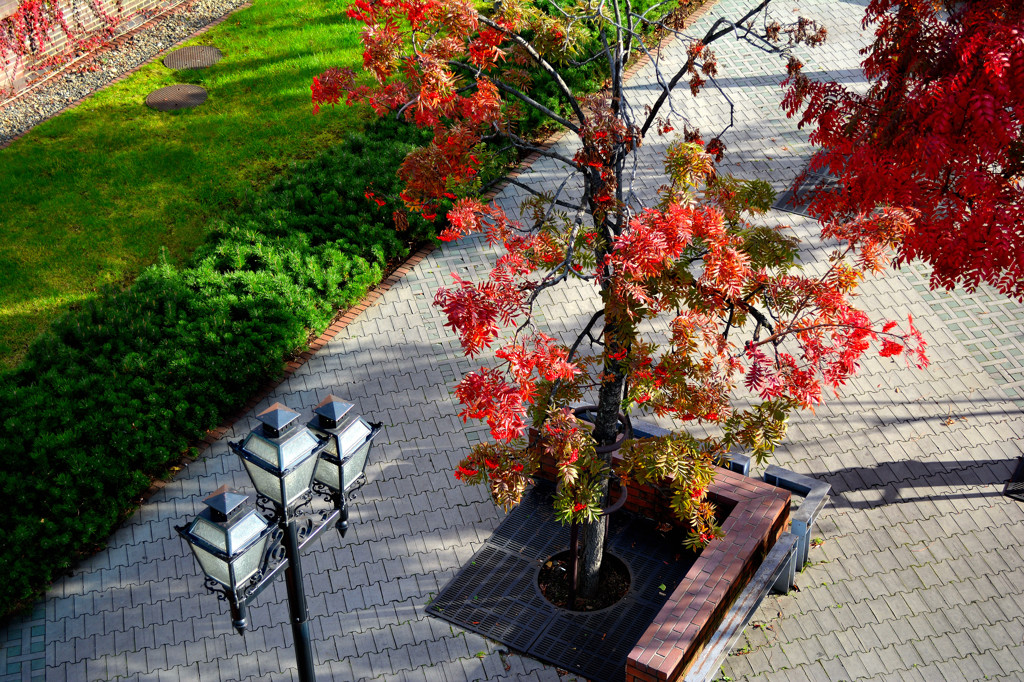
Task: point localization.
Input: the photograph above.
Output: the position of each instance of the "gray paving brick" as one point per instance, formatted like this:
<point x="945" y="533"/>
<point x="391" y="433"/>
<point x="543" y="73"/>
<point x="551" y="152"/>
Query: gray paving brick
<point x="835" y="669"/>
<point x="1010" y="659"/>
<point x="937" y="563"/>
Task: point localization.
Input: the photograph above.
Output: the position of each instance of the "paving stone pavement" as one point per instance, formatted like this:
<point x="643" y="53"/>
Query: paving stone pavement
<point x="919" y="576"/>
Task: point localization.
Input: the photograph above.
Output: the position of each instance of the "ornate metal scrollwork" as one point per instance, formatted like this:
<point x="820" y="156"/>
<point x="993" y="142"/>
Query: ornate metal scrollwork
<point x="216" y="588"/>
<point x="308" y="524"/>
<point x="268" y="508"/>
<point x="304" y="526"/>
<point x="360" y="481"/>
<point x="273" y="555"/>
<point x="326" y="493"/>
<point x="304" y="500"/>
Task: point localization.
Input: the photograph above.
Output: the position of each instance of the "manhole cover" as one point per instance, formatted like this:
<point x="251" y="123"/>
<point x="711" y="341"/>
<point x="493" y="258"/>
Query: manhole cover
<point x="193" y="57"/>
<point x="174" y="97"/>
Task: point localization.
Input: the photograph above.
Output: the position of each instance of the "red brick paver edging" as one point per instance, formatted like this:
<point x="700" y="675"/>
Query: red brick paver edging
<point x="340" y="321"/>
<point x="691" y="615"/>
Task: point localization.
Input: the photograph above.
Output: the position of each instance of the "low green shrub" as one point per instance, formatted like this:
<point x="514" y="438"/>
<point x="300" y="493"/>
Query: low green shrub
<point x="114" y="392"/>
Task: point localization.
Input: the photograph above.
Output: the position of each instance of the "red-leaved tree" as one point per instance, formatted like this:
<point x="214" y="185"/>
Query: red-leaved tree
<point x="937" y="134"/>
<point x="742" y="338"/>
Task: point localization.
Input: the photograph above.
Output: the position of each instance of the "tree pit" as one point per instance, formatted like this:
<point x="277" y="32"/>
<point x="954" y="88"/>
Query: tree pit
<point x="613" y="583"/>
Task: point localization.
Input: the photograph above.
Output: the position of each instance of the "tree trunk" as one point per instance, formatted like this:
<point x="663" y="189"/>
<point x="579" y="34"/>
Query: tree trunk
<point x="606" y="428"/>
<point x="592" y="551"/>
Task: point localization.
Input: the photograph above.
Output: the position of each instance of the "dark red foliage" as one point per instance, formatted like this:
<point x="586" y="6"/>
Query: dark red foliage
<point x="938" y="134"/>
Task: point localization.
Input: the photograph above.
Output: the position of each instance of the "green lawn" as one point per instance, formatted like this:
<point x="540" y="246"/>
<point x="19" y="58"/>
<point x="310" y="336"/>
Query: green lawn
<point x="91" y="196"/>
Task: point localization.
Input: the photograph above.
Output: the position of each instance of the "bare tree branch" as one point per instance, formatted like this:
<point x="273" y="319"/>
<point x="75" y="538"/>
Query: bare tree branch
<point x="520" y="143"/>
<point x="515" y="92"/>
<point x="711" y="36"/>
<point x="537" y="193"/>
<point x="598" y="314"/>
<point x="544" y="64"/>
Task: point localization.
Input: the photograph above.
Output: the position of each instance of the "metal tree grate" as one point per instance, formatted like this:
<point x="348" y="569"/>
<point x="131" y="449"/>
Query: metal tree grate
<point x="487" y="596"/>
<point x="1015" y="486"/>
<point x="496" y="593"/>
<point x="174" y="97"/>
<point x="193" y="57"/>
<point x="594" y="646"/>
<point x="535" y="532"/>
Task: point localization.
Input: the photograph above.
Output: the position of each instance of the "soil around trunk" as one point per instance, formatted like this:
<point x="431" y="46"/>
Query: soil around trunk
<point x="613" y="583"/>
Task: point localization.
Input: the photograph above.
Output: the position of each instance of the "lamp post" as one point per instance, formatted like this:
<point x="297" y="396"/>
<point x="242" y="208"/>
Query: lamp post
<point x="241" y="551"/>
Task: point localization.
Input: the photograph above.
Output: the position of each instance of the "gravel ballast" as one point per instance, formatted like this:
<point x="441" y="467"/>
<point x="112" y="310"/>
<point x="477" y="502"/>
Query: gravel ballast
<point x="128" y="52"/>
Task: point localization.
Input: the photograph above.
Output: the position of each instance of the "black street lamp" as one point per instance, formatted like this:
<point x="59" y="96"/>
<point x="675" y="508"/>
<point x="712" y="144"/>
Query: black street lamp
<point x="241" y="551"/>
<point x="228" y="543"/>
<point x="341" y="463"/>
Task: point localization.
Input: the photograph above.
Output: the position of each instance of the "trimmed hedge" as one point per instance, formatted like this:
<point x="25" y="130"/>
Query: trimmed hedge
<point x="114" y="392"/>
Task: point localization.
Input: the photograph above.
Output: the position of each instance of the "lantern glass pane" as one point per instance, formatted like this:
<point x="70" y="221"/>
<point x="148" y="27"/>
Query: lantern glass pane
<point x="262" y="448"/>
<point x="353" y="436"/>
<point x="297" y="482"/>
<point x="211" y="532"/>
<point x="332" y="445"/>
<point x="248" y="563"/>
<point x="297" y="448"/>
<point x="266" y="483"/>
<point x="244" y="532"/>
<point x="356" y="463"/>
<point x="212" y="565"/>
<point x="327" y="472"/>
